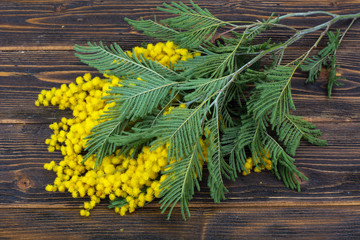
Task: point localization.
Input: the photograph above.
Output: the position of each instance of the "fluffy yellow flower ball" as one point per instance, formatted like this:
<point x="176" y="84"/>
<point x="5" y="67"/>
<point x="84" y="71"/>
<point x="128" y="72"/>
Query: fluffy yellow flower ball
<point x="165" y="53"/>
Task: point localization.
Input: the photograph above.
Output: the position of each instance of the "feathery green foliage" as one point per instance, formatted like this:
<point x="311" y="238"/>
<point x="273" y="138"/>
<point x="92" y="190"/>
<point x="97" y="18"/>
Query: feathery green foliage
<point x="98" y="142"/>
<point x="284" y="167"/>
<point x="182" y="177"/>
<point x="212" y="66"/>
<point x="133" y="139"/>
<point x="196" y="24"/>
<point x="333" y="79"/>
<point x="325" y="58"/>
<point x="181" y="128"/>
<point x="118" y="202"/>
<point x="203" y="87"/>
<point x="114" y="61"/>
<point x="217" y="165"/>
<point x="235" y="141"/>
<point x="273" y="94"/>
<point x="241" y="107"/>
<point x="141" y="96"/>
<point x="153" y="28"/>
<point x="293" y="129"/>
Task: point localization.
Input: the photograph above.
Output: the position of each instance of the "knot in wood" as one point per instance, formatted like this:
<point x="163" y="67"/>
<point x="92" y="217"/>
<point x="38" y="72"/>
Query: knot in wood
<point x="24" y="183"/>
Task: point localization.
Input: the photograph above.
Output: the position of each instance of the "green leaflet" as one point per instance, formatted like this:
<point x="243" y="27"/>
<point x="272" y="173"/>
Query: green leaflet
<point x="231" y="105"/>
<point x="217" y="165"/>
<point x="181" y="128"/>
<point x="313" y="64"/>
<point x="114" y="61"/>
<point x="209" y="66"/>
<point x="255" y="137"/>
<point x="283" y="165"/>
<point x="293" y="129"/>
<point x="203" y="87"/>
<point x="182" y="178"/>
<point x="235" y="140"/>
<point x="325" y="58"/>
<point x="118" y="202"/>
<point x="273" y="96"/>
<point x="333" y="79"/>
<point x="98" y="143"/>
<point x="154" y="29"/>
<point x="200" y="24"/>
<point x="139" y="97"/>
<point x="135" y="100"/>
<point x="130" y="142"/>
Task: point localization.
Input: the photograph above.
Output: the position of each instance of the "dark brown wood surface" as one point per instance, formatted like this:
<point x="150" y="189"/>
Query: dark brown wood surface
<point x="36" y="40"/>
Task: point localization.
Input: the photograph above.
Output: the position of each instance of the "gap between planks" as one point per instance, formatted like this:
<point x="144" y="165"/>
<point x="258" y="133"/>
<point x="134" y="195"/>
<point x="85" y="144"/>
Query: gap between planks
<point x="33" y="121"/>
<point x="36" y="48"/>
<point x="257" y="204"/>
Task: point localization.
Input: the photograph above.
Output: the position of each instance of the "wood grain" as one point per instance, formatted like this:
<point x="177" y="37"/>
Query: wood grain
<point x="325" y="222"/>
<point x="63" y="23"/>
<point x="36" y="42"/>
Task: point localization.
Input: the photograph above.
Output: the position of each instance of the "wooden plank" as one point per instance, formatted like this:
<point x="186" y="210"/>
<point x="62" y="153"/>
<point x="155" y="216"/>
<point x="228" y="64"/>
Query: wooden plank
<point x="332" y="171"/>
<point x="41" y="24"/>
<point x="327" y="222"/>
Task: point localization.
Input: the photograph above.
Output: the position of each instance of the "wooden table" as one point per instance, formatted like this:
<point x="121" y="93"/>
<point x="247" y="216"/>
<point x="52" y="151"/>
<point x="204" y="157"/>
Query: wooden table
<point x="36" y="43"/>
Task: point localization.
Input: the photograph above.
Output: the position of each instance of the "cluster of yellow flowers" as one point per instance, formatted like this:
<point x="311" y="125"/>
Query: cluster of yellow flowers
<point x="84" y="99"/>
<point x="134" y="181"/>
<point x="165" y="53"/>
<point x="257" y="166"/>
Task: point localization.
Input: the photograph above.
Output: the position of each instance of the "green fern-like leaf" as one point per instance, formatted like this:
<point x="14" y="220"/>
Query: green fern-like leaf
<point x="182" y="178"/>
<point x="325" y="58"/>
<point x="207" y="66"/>
<point x="258" y="29"/>
<point x="131" y="141"/>
<point x="235" y="149"/>
<point x="139" y="97"/>
<point x="231" y="106"/>
<point x="293" y="129"/>
<point x="273" y="96"/>
<point x="216" y="163"/>
<point x="200" y="88"/>
<point x="154" y="29"/>
<point x="247" y="135"/>
<point x="216" y="65"/>
<point x="114" y="61"/>
<point x="134" y="100"/>
<point x="333" y="79"/>
<point x="313" y="64"/>
<point x="220" y="48"/>
<point x="282" y="164"/>
<point x="228" y="64"/>
<point x="181" y="128"/>
<point x="118" y="202"/>
<point x="98" y="143"/>
<point x="196" y="24"/>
